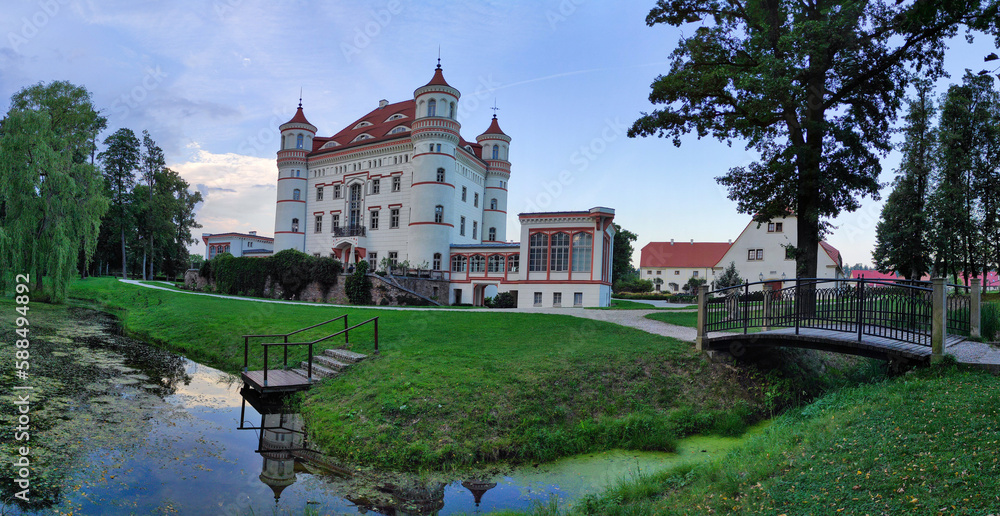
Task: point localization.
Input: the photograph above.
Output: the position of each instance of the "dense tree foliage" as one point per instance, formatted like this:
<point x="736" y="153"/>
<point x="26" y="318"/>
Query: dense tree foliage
<point x="902" y="233"/>
<point x="120" y="162"/>
<point x="812" y="86"/>
<point x="51" y="196"/>
<point x="621" y="261"/>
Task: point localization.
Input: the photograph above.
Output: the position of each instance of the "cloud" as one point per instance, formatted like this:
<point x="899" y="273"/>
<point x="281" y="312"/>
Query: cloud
<point x="238" y="191"/>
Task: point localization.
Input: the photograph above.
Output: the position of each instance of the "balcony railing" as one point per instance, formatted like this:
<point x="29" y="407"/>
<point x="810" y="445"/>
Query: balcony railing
<point x="348" y="231"/>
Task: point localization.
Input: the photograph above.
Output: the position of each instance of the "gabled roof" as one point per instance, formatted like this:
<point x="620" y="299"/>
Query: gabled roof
<point x="379" y="129"/>
<point x="682" y="254"/>
<point x="831" y="251"/>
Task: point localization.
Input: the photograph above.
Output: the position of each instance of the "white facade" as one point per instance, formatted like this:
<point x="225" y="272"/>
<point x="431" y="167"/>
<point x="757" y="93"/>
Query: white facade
<point x="761" y="253"/>
<point x="563" y="260"/>
<point x="237" y="244"/>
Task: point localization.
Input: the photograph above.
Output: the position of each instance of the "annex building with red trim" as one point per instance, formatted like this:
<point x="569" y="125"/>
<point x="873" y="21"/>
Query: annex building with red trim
<point x="401" y="186"/>
<point x="761" y="253"/>
<point x="237" y="244"/>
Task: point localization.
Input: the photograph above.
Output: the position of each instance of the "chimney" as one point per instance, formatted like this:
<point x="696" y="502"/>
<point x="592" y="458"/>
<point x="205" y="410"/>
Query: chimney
<point x="730" y="241"/>
<point x="383" y="103"/>
<point x="671" y="241"/>
<point x="254" y="233"/>
<point x="692" y="241"/>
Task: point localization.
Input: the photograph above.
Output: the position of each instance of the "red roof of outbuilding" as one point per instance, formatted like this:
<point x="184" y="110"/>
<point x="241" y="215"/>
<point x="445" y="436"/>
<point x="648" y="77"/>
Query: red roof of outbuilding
<point x="682" y="254"/>
<point x="831" y="251"/>
<point x="494" y="128"/>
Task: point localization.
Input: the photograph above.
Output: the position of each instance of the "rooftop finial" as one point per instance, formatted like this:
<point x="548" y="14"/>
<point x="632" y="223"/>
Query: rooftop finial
<point x="439" y="57"/>
<point x="495" y="108"/>
<point x="300" y="97"/>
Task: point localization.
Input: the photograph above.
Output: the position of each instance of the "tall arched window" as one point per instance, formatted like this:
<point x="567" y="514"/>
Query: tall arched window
<point x="451" y="110"/>
<point x="538" y="252"/>
<point x="440" y="175"/>
<point x="432" y="108"/>
<point x="495" y="263"/>
<point x="477" y="263"/>
<point x="298" y="142"/>
<point x="295" y="225"/>
<point x="296" y="194"/>
<point x="493" y="203"/>
<point x="437" y="262"/>
<point x="439" y="214"/>
<point x="583" y="248"/>
<point x="560" y="252"/>
<point x="496" y="152"/>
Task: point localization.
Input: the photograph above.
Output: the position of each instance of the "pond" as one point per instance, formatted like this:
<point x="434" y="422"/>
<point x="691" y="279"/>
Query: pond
<point x="125" y="428"/>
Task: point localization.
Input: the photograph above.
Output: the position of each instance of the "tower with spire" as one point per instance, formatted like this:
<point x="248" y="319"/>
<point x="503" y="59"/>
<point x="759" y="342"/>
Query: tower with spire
<point x="290" y="214"/>
<point x="496" y="145"/>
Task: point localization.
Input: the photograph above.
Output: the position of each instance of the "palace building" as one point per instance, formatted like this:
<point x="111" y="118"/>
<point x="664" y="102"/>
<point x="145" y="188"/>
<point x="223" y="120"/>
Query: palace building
<point x="402" y="184"/>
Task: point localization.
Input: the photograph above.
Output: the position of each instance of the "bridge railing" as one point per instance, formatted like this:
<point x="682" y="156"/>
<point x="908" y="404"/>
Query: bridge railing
<point x="897" y="310"/>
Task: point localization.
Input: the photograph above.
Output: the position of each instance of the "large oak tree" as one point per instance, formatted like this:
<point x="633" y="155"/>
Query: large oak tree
<point x="813" y="86"/>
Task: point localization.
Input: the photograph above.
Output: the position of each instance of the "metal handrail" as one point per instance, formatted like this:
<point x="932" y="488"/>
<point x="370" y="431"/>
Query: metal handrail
<point x="286" y="344"/>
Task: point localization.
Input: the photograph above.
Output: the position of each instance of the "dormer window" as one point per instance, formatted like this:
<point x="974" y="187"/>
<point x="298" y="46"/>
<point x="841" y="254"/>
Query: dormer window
<point x="363" y="123"/>
<point x="432" y="108"/>
<point x="399" y="129"/>
<point x="329" y="144"/>
<point x="362" y="136"/>
<point x="397" y="116"/>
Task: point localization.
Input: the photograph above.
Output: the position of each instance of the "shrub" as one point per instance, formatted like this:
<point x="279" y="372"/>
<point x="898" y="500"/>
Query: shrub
<point x="633" y="285"/>
<point x="325" y="271"/>
<point x="292" y="269"/>
<point x="502" y="300"/>
<point x="359" y="285"/>
<point x="989" y="318"/>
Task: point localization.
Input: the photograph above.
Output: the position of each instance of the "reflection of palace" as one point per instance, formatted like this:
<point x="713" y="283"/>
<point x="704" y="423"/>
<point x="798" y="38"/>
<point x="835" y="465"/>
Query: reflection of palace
<point x="285" y="451"/>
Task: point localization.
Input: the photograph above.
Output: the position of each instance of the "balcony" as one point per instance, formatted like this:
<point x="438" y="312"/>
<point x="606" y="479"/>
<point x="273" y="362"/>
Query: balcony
<point x="349" y="231"/>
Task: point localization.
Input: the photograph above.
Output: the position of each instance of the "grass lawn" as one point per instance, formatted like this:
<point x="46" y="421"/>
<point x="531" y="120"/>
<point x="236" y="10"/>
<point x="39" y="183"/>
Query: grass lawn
<point x="625" y="304"/>
<point x="689" y="319"/>
<point x="458" y="388"/>
<point x="921" y="444"/>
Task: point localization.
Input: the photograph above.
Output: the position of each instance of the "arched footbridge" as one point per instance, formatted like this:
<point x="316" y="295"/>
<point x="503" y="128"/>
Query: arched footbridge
<point x="908" y="321"/>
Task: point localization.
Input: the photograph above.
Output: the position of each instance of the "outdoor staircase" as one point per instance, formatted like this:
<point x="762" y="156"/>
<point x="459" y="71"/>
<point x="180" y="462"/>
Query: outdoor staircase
<point x="330" y="364"/>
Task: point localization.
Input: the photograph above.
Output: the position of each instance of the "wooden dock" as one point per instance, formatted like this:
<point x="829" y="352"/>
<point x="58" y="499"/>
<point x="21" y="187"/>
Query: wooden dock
<point x="278" y="380"/>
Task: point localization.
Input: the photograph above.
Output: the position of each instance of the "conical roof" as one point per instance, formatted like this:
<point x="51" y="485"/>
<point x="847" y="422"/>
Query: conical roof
<point x="494" y="128"/>
<point x="438" y="79"/>
<point x="299" y="118"/>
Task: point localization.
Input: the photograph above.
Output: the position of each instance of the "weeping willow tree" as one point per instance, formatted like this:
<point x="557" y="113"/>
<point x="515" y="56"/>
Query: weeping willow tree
<point x="51" y="194"/>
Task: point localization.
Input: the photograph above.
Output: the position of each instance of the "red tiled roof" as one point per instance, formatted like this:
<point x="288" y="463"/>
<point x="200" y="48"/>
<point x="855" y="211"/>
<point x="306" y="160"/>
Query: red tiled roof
<point x="831" y="251"/>
<point x="438" y="79"/>
<point x="682" y="254"/>
<point x="299" y="118"/>
<point x="873" y="275"/>
<point x="379" y="128"/>
<point x="494" y="127"/>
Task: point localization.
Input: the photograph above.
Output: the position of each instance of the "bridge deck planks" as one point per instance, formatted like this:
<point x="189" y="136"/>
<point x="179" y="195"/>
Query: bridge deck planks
<point x="278" y="380"/>
<point x="828" y="339"/>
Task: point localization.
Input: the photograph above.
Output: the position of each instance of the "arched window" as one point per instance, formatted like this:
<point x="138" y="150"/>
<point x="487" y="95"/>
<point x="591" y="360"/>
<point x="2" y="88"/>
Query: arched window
<point x="295" y="225"/>
<point x="298" y="142"/>
<point x="451" y="110"/>
<point x="560" y="252"/>
<point x="440" y="175"/>
<point x="437" y="262"/>
<point x="492" y="234"/>
<point x="458" y="263"/>
<point x="439" y="214"/>
<point x="496" y="263"/>
<point x="538" y="252"/>
<point x="477" y="263"/>
<point x="493" y="203"/>
<point x="432" y="108"/>
<point x="398" y="129"/>
<point x="583" y="248"/>
<point x="496" y="152"/>
<point x="296" y="194"/>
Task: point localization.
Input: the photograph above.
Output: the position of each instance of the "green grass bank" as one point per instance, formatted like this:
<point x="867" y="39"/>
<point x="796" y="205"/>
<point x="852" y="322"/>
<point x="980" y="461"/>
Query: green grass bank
<point x="924" y="443"/>
<point x="457" y="389"/>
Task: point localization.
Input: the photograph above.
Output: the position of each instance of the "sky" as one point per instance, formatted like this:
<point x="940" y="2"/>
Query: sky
<point x="212" y="80"/>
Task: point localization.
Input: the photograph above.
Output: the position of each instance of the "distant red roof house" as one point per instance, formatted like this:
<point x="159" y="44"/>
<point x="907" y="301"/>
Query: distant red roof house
<point x="682" y="255"/>
<point x="874" y="275"/>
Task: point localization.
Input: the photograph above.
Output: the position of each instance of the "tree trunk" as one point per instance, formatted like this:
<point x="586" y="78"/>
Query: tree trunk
<point x="124" y="263"/>
<point x="144" y="278"/>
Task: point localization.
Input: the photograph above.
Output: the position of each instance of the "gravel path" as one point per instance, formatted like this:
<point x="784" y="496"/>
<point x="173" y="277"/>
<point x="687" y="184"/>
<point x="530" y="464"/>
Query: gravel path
<point x="975" y="353"/>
